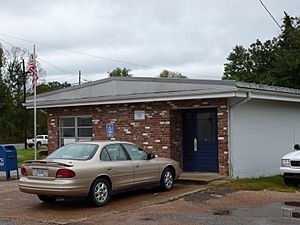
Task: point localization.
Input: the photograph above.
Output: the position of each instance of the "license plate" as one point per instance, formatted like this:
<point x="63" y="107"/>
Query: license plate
<point x="40" y="173"/>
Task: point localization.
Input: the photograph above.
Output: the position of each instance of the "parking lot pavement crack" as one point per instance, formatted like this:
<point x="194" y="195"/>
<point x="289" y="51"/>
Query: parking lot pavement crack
<point x="72" y="221"/>
<point x="157" y="202"/>
<point x="36" y="221"/>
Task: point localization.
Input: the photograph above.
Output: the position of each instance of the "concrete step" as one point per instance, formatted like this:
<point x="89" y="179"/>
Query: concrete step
<point x="200" y="178"/>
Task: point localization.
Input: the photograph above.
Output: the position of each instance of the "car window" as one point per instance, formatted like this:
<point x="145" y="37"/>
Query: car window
<point x="46" y="137"/>
<point x="75" y="152"/>
<point x="116" y="152"/>
<point x="104" y="155"/>
<point x="39" y="137"/>
<point x="135" y="152"/>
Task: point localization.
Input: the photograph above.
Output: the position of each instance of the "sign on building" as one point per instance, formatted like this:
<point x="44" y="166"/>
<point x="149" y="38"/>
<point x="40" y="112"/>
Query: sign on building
<point x="139" y="115"/>
<point x="110" y="130"/>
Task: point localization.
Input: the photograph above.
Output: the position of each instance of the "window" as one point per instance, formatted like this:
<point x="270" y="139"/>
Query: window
<point x="104" y="155"/>
<point x="75" y="152"/>
<point x="206" y="123"/>
<point x="135" y="152"/>
<point x="84" y="125"/>
<point x="73" y="129"/>
<point x="116" y="152"/>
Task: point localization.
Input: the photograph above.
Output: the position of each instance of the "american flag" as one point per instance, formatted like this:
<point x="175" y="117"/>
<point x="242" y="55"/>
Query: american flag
<point x="32" y="69"/>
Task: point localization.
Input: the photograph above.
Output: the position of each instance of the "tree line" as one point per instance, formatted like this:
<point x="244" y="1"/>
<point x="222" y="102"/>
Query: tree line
<point x="273" y="62"/>
<point x="12" y="122"/>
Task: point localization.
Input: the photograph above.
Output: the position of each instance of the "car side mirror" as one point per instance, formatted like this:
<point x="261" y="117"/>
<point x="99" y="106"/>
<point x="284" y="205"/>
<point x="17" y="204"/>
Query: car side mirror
<point x="297" y="147"/>
<point x="151" y="156"/>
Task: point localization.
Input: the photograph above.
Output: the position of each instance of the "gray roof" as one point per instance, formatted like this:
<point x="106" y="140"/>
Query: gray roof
<point x="142" y="89"/>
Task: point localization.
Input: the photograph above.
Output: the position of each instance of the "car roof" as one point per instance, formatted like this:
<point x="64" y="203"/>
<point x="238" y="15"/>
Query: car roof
<point x="103" y="142"/>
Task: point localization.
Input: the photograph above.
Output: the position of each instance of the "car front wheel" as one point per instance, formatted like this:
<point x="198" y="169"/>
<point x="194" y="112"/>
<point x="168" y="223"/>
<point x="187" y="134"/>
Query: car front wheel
<point x="167" y="179"/>
<point x="100" y="192"/>
<point x="288" y="181"/>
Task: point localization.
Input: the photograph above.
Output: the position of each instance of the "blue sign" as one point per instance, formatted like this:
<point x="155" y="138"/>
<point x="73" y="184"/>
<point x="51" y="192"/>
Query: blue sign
<point x="110" y="130"/>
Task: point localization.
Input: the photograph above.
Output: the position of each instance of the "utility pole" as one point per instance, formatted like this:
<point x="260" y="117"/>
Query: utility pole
<point x="79" y="77"/>
<point x="24" y="97"/>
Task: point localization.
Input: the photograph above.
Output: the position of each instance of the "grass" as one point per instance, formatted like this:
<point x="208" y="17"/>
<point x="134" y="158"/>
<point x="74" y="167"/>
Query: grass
<point x="28" y="154"/>
<point x="273" y="183"/>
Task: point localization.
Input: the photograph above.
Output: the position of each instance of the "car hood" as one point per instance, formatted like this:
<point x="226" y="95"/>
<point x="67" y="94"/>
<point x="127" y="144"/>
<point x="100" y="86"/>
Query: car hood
<point x="292" y="155"/>
<point x="165" y="160"/>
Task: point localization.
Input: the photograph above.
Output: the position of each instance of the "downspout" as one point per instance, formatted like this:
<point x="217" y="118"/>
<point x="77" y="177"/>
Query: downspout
<point x="247" y="99"/>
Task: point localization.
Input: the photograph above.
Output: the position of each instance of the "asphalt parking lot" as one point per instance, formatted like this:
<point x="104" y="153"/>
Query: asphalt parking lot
<point x="185" y="204"/>
<point x="21" y="208"/>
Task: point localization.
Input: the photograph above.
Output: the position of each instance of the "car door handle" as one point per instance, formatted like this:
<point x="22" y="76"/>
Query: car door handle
<point x="109" y="168"/>
<point x="137" y="166"/>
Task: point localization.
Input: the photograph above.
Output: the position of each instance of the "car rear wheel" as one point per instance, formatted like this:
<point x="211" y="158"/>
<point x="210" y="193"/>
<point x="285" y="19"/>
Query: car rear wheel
<point x="167" y="179"/>
<point x="45" y="198"/>
<point x="100" y="192"/>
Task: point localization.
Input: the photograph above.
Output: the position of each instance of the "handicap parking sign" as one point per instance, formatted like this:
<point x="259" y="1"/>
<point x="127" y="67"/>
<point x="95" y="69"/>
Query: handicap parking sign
<point x="110" y="130"/>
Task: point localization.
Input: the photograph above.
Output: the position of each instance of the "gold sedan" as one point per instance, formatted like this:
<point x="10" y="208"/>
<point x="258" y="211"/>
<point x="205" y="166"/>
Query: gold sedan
<point x="96" y="170"/>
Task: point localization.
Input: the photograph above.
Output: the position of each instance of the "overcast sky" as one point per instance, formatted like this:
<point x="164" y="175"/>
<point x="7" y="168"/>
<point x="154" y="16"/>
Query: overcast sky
<point x="193" y="37"/>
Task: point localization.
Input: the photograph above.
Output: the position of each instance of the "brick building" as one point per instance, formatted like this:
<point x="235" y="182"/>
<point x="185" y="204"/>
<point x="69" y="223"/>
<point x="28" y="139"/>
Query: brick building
<point x="227" y="127"/>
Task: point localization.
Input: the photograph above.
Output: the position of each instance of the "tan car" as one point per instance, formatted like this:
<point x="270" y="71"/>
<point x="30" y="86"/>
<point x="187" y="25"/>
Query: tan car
<point x="96" y="170"/>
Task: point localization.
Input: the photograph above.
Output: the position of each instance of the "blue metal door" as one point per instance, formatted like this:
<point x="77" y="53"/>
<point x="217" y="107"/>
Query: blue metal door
<point x="200" y="143"/>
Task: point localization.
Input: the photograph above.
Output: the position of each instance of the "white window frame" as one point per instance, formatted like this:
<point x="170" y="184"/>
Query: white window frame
<point x="76" y="138"/>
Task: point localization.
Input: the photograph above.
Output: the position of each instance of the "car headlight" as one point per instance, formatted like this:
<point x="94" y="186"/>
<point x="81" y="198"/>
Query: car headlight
<point x="285" y="163"/>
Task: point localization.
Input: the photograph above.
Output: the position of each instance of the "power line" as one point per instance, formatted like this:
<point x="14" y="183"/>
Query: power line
<point x="270" y="14"/>
<point x="93" y="56"/>
<point x="57" y="67"/>
<point x="78" y="52"/>
<point x="68" y="73"/>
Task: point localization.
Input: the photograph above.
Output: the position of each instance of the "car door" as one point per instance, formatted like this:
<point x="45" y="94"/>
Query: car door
<point x="146" y="171"/>
<point x="118" y="166"/>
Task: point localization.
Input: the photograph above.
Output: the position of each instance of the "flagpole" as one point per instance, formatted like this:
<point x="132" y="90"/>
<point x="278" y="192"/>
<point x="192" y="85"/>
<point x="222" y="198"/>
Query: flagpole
<point x="34" y="108"/>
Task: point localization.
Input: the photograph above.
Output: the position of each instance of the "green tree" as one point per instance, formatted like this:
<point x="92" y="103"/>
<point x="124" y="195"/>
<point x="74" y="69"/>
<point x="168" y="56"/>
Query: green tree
<point x="286" y="66"/>
<point x="54" y="85"/>
<point x="7" y="125"/>
<point x="11" y="97"/>
<point x="274" y="62"/>
<point x="13" y="79"/>
<point x="118" y="72"/>
<point x="170" y="74"/>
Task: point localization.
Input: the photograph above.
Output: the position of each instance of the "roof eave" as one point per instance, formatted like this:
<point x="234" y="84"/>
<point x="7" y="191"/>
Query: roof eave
<point x="42" y="105"/>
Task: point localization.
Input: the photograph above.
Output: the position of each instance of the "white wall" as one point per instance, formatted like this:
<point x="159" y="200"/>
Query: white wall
<point x="261" y="132"/>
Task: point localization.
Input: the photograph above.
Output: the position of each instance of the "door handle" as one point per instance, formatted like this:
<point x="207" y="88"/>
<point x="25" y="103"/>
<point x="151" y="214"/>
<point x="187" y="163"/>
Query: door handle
<point x="137" y="166"/>
<point x="195" y="145"/>
<point x="109" y="168"/>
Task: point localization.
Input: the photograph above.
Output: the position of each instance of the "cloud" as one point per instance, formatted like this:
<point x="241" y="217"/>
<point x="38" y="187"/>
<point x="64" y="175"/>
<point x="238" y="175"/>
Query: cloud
<point x="192" y="36"/>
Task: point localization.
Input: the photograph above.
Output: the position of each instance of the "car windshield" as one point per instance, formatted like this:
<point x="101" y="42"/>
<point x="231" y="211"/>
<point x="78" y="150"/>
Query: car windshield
<point x="75" y="152"/>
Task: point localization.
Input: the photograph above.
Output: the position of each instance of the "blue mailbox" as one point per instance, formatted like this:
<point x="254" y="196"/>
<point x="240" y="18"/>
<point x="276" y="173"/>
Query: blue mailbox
<point x="8" y="160"/>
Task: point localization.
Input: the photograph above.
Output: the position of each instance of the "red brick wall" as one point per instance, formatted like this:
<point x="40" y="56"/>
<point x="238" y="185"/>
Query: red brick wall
<point x="160" y="132"/>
